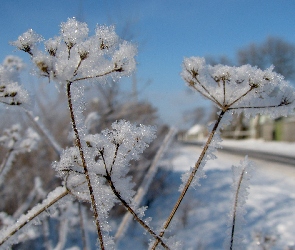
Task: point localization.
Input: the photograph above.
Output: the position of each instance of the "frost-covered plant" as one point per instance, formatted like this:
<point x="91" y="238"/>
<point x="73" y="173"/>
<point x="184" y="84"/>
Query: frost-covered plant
<point x="11" y="92"/>
<point x="232" y="90"/>
<point x="95" y="169"/>
<point x="16" y="143"/>
<point x="241" y="177"/>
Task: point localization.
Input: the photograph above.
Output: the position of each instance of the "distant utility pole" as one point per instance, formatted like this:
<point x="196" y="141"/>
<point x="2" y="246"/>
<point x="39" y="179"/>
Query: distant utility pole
<point x="80" y="14"/>
<point x="134" y="88"/>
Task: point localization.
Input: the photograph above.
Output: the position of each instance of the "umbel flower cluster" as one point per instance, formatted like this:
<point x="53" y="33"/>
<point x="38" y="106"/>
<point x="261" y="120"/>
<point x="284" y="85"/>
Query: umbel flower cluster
<point x="240" y="89"/>
<point x="108" y="155"/>
<point x="95" y="169"/>
<point x="74" y="56"/>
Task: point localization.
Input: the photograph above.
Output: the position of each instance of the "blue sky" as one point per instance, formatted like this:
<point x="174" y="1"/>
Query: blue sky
<point x="166" y="32"/>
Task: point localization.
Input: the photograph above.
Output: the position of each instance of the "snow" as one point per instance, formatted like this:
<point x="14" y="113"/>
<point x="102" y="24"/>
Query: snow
<point x="195" y="129"/>
<point x="203" y="216"/>
<point x="282" y="148"/>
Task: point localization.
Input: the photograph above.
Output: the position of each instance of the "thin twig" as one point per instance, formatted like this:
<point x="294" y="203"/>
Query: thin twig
<point x="260" y="107"/>
<point x="130" y="210"/>
<point x="48" y="138"/>
<point x="190" y="179"/>
<point x="239" y="98"/>
<point x="86" y="173"/>
<point x="82" y="226"/>
<point x="32" y="214"/>
<point x="115" y="157"/>
<point x="141" y="191"/>
<point x="77" y="68"/>
<point x="207" y="96"/>
<point x="235" y="209"/>
<point x="97" y="76"/>
<point x="125" y="204"/>
<point x="6" y="157"/>
<point x="223" y="92"/>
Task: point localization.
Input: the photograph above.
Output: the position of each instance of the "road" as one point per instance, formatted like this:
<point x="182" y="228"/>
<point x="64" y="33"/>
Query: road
<point x="271" y="157"/>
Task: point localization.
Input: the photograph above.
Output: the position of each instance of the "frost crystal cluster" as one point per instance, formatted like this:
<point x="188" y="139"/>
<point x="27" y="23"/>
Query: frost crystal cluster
<point x="239" y="89"/>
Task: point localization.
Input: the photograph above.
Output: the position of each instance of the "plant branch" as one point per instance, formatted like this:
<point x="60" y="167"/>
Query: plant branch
<point x="142" y="190"/>
<point x="191" y="83"/>
<point x="235" y="209"/>
<point x="115" y="69"/>
<point x="223" y="92"/>
<point x="33" y="213"/>
<point x="249" y="90"/>
<point x="82" y="226"/>
<point x="49" y="139"/>
<point x="190" y="179"/>
<point x="86" y="173"/>
<point x="77" y="68"/>
<point x="260" y="107"/>
<point x="208" y="96"/>
<point x="115" y="157"/>
<point x="125" y="204"/>
<point x="208" y="93"/>
<point x="6" y="157"/>
<point x="130" y="210"/>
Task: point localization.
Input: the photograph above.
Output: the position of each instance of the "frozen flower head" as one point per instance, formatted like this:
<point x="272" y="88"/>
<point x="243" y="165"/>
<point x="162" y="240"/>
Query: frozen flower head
<point x="106" y="36"/>
<point x="11" y="92"/>
<point x="108" y="156"/>
<point x="12" y="139"/>
<point x="27" y="41"/>
<point x="238" y="89"/>
<point x="74" y="56"/>
<point x="13" y="63"/>
<point x="73" y="32"/>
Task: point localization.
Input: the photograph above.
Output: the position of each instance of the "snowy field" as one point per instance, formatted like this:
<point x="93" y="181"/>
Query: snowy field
<point x="201" y="222"/>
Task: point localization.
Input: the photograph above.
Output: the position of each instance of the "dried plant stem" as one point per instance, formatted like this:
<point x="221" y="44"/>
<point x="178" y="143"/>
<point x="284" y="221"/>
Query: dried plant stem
<point x="6" y="157"/>
<point x="82" y="226"/>
<point x="235" y="209"/>
<point x="141" y="191"/>
<point x="86" y="173"/>
<point x="32" y="214"/>
<point x="130" y="210"/>
<point x="48" y="138"/>
<point x="190" y="179"/>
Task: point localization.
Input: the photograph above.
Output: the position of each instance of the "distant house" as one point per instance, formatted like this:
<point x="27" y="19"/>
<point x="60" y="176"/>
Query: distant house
<point x="197" y="132"/>
<point x="263" y="127"/>
<point x="281" y="129"/>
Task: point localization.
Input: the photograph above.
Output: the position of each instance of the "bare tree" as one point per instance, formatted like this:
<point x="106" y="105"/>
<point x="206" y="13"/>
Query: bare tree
<point x="273" y="51"/>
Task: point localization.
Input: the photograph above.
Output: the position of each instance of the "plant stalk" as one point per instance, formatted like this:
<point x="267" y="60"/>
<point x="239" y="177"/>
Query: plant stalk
<point x="235" y="210"/>
<point x="86" y="172"/>
<point x="130" y="210"/>
<point x="32" y="214"/>
<point x="190" y="179"/>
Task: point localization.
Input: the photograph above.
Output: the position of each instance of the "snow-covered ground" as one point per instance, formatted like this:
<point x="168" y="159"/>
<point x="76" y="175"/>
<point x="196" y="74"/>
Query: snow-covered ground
<point x="201" y="222"/>
<point x="283" y="148"/>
